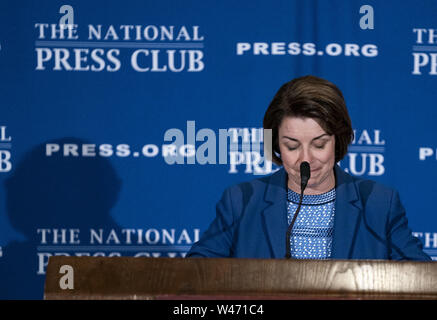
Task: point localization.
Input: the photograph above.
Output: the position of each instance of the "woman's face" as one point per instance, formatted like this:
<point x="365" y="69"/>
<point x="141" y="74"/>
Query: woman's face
<point x="303" y="139"/>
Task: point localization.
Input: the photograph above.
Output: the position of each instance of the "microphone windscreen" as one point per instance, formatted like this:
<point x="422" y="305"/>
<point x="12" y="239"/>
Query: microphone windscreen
<point x="305" y="171"/>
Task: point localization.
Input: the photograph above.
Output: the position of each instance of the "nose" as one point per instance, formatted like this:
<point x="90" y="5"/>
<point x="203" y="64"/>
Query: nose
<point x="306" y="155"/>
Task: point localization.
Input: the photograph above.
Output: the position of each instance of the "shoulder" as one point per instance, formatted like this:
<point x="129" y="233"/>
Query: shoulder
<point x="275" y="179"/>
<point x="366" y="190"/>
<point x="262" y="188"/>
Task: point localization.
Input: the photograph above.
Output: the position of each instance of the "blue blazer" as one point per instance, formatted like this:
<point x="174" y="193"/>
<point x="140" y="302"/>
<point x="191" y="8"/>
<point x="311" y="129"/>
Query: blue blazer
<point x="251" y="222"/>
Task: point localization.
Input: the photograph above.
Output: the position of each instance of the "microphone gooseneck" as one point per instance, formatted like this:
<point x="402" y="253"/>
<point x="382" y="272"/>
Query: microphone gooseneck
<point x="305" y="174"/>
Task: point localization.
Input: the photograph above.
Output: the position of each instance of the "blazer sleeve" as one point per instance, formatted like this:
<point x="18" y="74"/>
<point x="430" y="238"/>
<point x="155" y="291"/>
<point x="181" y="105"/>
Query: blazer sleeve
<point x="403" y="245"/>
<point x="217" y="241"/>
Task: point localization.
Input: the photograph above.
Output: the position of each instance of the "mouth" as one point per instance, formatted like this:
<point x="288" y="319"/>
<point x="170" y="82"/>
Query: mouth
<point x="315" y="172"/>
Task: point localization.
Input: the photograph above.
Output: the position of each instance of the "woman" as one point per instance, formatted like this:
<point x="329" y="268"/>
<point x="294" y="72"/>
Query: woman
<point x="340" y="216"/>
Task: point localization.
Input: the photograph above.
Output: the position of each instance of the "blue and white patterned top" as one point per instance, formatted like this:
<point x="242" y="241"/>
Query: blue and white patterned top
<point x="311" y="236"/>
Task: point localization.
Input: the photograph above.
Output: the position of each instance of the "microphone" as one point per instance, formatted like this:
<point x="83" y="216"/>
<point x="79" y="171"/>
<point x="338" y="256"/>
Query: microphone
<point x="305" y="174"/>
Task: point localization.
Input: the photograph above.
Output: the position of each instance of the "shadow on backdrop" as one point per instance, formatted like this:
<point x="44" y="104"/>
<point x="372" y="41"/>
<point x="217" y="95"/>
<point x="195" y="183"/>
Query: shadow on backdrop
<point x="52" y="192"/>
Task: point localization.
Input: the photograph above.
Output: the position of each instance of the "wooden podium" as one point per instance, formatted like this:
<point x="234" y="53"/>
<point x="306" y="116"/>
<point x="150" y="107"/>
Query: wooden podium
<point x="207" y="278"/>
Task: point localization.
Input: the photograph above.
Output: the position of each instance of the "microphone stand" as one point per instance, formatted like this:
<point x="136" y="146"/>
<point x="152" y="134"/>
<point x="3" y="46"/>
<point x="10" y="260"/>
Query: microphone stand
<point x="305" y="173"/>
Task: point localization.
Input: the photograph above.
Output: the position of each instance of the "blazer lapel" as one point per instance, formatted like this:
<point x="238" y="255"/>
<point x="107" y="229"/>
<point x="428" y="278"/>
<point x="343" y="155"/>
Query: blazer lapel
<point x="275" y="215"/>
<point x="347" y="212"/>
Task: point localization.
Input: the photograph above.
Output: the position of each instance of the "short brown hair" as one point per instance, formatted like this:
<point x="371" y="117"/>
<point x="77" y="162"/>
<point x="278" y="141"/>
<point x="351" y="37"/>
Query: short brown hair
<point x="311" y="97"/>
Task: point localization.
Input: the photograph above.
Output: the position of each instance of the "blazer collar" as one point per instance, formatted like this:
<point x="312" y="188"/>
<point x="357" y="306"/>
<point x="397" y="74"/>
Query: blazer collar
<point x="345" y="184"/>
<point x="275" y="215"/>
<point x="348" y="208"/>
<point x="347" y="211"/>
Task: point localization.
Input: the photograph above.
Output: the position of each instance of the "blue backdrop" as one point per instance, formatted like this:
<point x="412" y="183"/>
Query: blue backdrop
<point x="104" y="103"/>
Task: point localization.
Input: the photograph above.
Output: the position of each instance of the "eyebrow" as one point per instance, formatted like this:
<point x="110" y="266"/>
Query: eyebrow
<point x="321" y="136"/>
